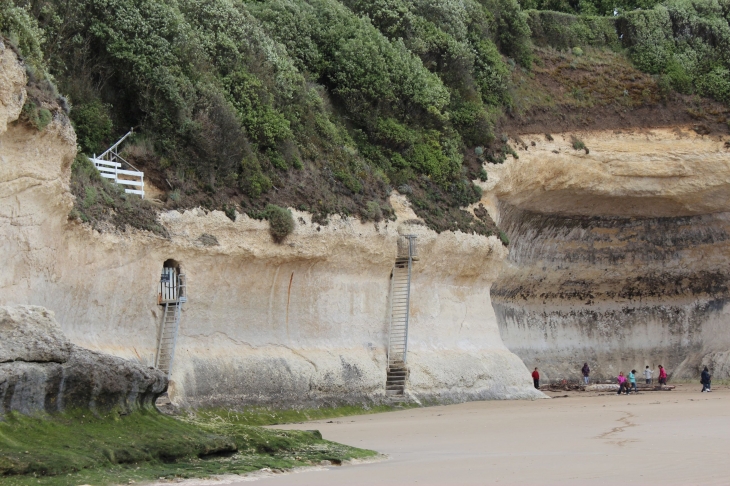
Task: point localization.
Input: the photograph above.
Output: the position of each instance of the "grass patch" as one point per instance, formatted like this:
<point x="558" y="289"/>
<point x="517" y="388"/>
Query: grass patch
<point x="264" y="416"/>
<point x="78" y="448"/>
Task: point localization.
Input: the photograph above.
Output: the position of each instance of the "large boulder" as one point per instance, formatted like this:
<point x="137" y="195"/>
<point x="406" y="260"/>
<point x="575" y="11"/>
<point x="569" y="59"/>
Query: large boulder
<point x="41" y="371"/>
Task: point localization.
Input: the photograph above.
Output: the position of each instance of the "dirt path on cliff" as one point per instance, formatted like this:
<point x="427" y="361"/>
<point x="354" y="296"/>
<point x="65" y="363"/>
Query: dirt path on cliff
<point x="654" y="438"/>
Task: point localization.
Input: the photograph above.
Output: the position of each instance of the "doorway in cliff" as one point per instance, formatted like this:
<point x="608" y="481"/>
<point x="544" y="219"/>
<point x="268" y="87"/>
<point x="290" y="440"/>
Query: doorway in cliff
<point x="172" y="294"/>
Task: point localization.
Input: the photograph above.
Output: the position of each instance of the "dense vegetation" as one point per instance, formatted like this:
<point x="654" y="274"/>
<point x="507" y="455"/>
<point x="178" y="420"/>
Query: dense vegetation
<point x="326" y="105"/>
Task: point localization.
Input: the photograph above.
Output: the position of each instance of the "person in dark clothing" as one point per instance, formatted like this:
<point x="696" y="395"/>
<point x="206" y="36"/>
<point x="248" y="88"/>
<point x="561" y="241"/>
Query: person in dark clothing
<point x="705" y="380"/>
<point x="536" y="378"/>
<point x="586" y="372"/>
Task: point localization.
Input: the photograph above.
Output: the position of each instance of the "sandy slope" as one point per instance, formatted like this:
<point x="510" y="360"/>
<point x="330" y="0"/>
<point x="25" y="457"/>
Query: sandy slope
<point x="662" y="438"/>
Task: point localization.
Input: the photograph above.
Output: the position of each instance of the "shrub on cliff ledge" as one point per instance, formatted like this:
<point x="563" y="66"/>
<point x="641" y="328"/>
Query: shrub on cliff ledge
<point x="281" y="222"/>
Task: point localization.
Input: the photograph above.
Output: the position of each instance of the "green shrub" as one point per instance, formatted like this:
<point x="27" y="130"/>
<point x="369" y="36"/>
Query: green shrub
<point x="504" y="238"/>
<point x="22" y="29"/>
<point x="37" y="117"/>
<point x="513" y="32"/>
<point x="686" y="42"/>
<point x="372" y="212"/>
<point x="716" y="84"/>
<point x="90" y="198"/>
<point x="93" y="126"/>
<point x="281" y="222"/>
<point x="577" y="143"/>
<point x="483" y="176"/>
<point x="565" y="31"/>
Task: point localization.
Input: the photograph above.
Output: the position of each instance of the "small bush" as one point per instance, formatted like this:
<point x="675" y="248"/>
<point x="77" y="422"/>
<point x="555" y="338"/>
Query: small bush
<point x="372" y="212"/>
<point x="578" y="143"/>
<point x="483" y="176"/>
<point x="504" y="238"/>
<point x="281" y="222"/>
<point x="230" y="212"/>
<point x="37" y="117"/>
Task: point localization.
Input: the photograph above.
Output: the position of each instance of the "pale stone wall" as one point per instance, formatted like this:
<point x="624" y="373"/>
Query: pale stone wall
<point x="302" y="323"/>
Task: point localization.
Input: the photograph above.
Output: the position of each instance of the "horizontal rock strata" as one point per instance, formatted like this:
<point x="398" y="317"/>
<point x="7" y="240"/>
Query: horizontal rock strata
<point x="41" y="371"/>
<point x="618" y="257"/>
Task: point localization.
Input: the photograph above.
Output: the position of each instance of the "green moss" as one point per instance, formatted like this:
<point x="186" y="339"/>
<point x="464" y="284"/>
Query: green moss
<point x="78" y="448"/>
<point x="264" y="416"/>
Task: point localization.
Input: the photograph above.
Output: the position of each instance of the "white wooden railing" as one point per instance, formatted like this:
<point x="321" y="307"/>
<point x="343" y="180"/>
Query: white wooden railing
<point x="109" y="164"/>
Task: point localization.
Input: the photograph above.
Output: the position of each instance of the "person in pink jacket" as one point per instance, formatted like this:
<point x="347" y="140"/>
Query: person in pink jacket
<point x="622" y="385"/>
<point x="662" y="375"/>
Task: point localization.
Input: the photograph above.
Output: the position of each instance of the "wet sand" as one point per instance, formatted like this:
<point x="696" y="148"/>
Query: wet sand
<point x="679" y="437"/>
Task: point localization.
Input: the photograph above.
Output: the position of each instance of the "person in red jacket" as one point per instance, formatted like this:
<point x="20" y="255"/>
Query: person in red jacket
<point x="536" y="378"/>
<point x="662" y="375"/>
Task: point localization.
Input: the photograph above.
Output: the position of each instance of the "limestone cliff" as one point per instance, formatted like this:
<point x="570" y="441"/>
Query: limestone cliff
<point x="619" y="253"/>
<point x="302" y="323"/>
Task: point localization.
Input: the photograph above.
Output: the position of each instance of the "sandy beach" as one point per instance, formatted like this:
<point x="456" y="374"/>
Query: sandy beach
<point x="679" y="437"/>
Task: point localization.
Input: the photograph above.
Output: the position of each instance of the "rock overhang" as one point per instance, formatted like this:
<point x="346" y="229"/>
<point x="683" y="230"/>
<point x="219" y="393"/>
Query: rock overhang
<point x="634" y="174"/>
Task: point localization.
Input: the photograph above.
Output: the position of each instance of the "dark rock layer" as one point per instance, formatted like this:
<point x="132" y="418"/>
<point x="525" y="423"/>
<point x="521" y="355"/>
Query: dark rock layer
<point x="41" y="371"/>
<point x="620" y="293"/>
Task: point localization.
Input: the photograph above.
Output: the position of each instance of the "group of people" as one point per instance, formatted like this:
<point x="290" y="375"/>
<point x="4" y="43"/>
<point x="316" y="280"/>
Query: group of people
<point x="628" y="382"/>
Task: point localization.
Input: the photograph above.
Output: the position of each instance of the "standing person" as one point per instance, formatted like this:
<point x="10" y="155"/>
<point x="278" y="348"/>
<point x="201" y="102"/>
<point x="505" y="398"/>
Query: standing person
<point x="621" y="383"/>
<point x="536" y="378"/>
<point x="632" y="381"/>
<point x="586" y="371"/>
<point x="706" y="380"/>
<point x="662" y="375"/>
<point x="647" y="375"/>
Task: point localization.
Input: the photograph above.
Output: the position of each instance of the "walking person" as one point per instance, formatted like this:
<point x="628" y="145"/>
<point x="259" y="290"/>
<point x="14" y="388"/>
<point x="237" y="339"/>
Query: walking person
<point x="536" y="378"/>
<point x="622" y="383"/>
<point x="586" y="371"/>
<point x="662" y="375"/>
<point x="632" y="381"/>
<point x="705" y="380"/>
<point x="647" y="375"/>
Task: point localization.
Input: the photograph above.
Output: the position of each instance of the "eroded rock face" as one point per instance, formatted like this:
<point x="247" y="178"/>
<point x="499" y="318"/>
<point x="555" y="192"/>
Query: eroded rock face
<point x="41" y="371"/>
<point x="619" y="257"/>
<point x="302" y="323"/>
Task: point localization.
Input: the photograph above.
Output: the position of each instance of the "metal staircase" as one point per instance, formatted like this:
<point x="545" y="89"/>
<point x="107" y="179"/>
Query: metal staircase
<point x="172" y="296"/>
<point x="400" y="295"/>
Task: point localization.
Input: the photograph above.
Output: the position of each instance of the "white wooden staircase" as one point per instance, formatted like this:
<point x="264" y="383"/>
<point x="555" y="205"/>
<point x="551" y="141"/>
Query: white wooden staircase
<point x="110" y="164"/>
<point x="400" y="295"/>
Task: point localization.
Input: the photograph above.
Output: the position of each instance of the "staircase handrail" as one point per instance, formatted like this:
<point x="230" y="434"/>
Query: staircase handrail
<point x="112" y="152"/>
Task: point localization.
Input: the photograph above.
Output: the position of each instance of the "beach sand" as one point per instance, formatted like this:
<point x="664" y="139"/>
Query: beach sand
<point x="679" y="437"/>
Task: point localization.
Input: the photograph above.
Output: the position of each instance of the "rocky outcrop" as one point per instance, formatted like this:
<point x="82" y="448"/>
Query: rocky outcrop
<point x="618" y="256"/>
<point x="303" y="323"/>
<point x="41" y="371"/>
<point x="12" y="86"/>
